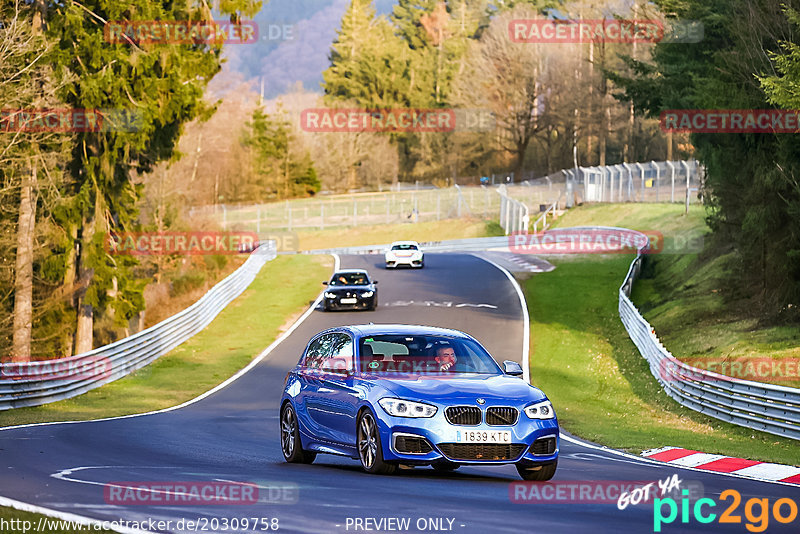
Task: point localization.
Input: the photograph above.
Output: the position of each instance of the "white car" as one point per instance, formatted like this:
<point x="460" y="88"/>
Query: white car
<point x="404" y="253"/>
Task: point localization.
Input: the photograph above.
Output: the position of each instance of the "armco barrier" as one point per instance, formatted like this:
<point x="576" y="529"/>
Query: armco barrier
<point x="41" y="382"/>
<point x="766" y="407"/>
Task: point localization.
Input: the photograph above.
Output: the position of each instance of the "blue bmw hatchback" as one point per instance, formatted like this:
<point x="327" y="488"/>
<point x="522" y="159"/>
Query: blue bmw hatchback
<point x="414" y="395"/>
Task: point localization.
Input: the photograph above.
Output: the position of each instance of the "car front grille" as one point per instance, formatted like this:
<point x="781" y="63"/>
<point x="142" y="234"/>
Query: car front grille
<point x="482" y="451"/>
<point x="411" y="444"/>
<point x="544" y="446"/>
<point x="463" y="415"/>
<point x="501" y="416"/>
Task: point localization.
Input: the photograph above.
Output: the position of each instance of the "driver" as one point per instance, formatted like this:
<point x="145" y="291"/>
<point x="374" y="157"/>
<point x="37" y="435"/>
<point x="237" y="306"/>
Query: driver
<point x="445" y="357"/>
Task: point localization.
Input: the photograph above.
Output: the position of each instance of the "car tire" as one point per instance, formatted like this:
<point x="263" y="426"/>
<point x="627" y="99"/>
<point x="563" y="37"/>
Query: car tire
<point x="370" y="449"/>
<point x="374" y="305"/>
<point x="542" y="474"/>
<point x="443" y="466"/>
<point x="291" y="446"/>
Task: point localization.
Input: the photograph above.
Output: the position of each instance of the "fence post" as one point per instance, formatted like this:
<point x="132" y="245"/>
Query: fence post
<point x="290" y="216"/>
<point x="258" y="220"/>
<point x="641" y="176"/>
<point x="321" y="215"/>
<point x="683" y="162"/>
<point x="658" y="176"/>
<point x="438" y="203"/>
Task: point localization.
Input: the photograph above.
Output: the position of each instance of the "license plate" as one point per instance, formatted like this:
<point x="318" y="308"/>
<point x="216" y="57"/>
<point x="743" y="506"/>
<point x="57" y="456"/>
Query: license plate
<point x="348" y="301"/>
<point x="483" y="436"/>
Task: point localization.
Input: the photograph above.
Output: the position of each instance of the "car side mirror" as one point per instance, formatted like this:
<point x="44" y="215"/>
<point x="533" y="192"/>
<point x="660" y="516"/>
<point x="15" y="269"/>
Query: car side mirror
<point x="512" y="368"/>
<point x="324" y="283"/>
<point x="375" y="282"/>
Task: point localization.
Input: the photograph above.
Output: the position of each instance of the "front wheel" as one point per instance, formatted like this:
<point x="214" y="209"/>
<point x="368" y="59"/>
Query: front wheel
<point x="541" y="474"/>
<point x="370" y="451"/>
<point x="290" y="438"/>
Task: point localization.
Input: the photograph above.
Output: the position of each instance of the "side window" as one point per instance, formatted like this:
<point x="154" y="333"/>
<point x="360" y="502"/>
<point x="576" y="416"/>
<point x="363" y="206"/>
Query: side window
<point x="340" y="357"/>
<point x="331" y="353"/>
<point x="315" y="353"/>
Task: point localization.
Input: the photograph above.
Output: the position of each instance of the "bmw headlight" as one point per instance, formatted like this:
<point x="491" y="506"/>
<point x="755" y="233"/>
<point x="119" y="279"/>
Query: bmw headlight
<point x="329" y="295"/>
<point x="367" y="294"/>
<point x="404" y="408"/>
<point x="540" y="410"/>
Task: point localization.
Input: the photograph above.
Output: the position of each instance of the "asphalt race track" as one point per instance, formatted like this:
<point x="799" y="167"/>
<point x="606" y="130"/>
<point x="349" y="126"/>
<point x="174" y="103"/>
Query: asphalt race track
<point x="232" y="435"/>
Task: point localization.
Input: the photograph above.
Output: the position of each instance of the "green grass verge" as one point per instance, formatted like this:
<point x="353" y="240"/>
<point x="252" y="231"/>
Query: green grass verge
<point x="24" y="522"/>
<point x="282" y="290"/>
<point x="584" y="360"/>
<point x="386" y="233"/>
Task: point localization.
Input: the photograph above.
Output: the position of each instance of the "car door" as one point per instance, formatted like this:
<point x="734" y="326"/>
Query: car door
<point x="332" y="399"/>
<point x="308" y="374"/>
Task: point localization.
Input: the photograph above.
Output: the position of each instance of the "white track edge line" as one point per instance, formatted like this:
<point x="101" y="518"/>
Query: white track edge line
<point x="526" y="330"/>
<point x="239" y="374"/>
<point x="66" y="516"/>
<point x="576" y="441"/>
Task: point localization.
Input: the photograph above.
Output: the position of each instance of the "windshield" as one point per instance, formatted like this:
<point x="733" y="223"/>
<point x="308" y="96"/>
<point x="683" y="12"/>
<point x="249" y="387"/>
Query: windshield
<point x="424" y="355"/>
<point x="349" y="279"/>
<point x="404" y="247"/>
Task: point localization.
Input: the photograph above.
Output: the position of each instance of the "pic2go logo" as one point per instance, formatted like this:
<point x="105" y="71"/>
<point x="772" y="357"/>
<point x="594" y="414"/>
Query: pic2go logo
<point x="756" y="510"/>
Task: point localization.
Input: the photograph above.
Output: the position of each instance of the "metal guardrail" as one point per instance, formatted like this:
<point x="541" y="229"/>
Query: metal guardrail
<point x="760" y="406"/>
<point x="42" y="382"/>
<point x="472" y="244"/>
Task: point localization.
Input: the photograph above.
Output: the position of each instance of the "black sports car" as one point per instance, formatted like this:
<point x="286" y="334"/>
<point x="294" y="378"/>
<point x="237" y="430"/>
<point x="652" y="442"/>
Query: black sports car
<point x="350" y="289"/>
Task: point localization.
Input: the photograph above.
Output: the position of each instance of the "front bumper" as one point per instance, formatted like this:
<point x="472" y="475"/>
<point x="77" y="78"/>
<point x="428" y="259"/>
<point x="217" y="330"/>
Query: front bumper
<point x="441" y="435"/>
<point x="361" y="303"/>
<point x="410" y="261"/>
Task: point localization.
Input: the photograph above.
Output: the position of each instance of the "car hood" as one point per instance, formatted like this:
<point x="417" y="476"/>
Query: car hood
<point x="494" y="389"/>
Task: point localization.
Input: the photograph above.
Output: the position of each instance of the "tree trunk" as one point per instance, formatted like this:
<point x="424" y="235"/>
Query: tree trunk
<point x="84" y="331"/>
<point x="23" y="282"/>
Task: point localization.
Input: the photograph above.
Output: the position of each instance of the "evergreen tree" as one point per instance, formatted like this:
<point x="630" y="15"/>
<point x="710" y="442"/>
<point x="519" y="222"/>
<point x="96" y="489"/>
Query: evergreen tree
<point x="751" y="181"/>
<point x="363" y="69"/>
<point x="280" y="172"/>
<point x="159" y="86"/>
